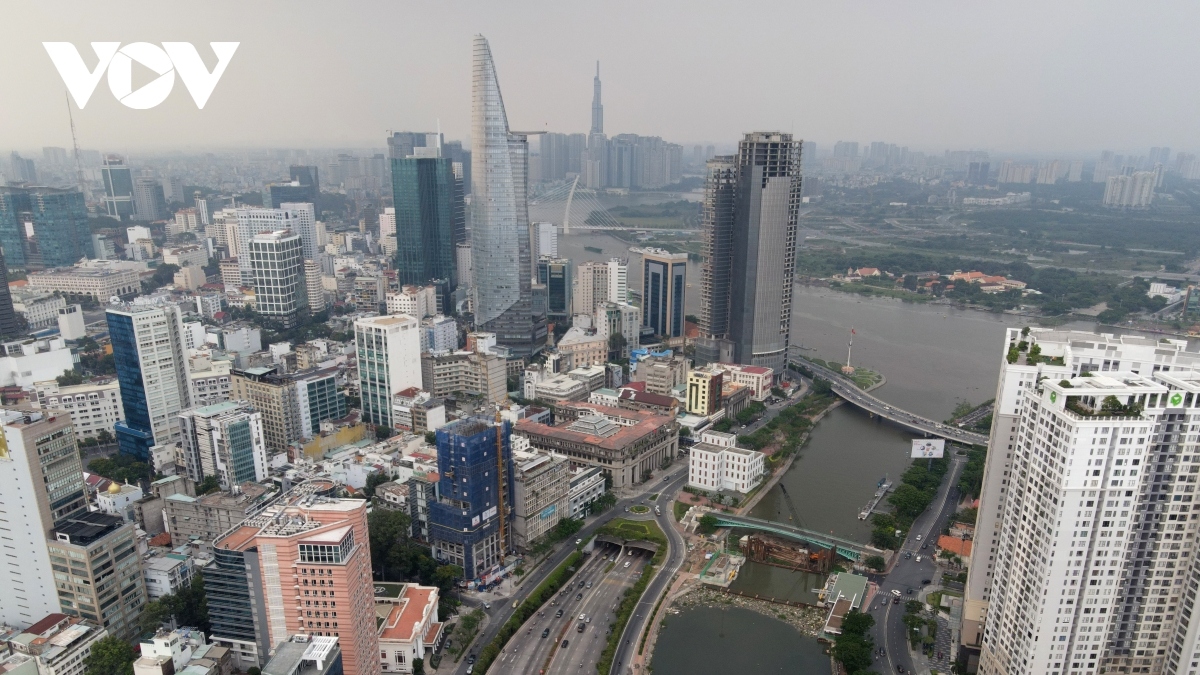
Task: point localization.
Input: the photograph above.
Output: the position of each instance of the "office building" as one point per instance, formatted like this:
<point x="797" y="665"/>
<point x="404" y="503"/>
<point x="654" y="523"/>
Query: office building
<point x="152" y="370"/>
<point x="204" y="518"/>
<point x="293" y="405"/>
<point x="470" y="524"/>
<point x="416" y="301"/>
<point x="1084" y="556"/>
<point x="439" y="334"/>
<point x="547" y="240"/>
<point x="41" y="484"/>
<point x="105" y="582"/>
<point x="10" y="327"/>
<point x="23" y="170"/>
<point x="428" y="205"/>
<point x="298" y="218"/>
<point x="716" y="463"/>
<point x="555" y="275"/>
<point x="541" y="495"/>
<point x="304" y="654"/>
<point x="615" y="318"/>
<point x="94" y="406"/>
<point x="312" y="550"/>
<point x="751" y="211"/>
<point x="224" y="440"/>
<point x="587" y="485"/>
<point x="280" y="286"/>
<point x="100" y="283"/>
<point x="662" y="372"/>
<point x="389" y="361"/>
<point x="503" y="291"/>
<point x="597" y="106"/>
<point x="977" y="173"/>
<point x="582" y="347"/>
<point x="118" y="189"/>
<point x="704" y="391"/>
<point x="664" y="282"/>
<point x="291" y="192"/>
<point x="626" y="444"/>
<point x="149" y="202"/>
<point x="479" y="374"/>
<point x="38" y="309"/>
<point x="43" y="227"/>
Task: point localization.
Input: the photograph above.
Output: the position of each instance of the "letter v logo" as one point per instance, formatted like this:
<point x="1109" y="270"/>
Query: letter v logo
<point x="75" y="74"/>
<point x="199" y="82"/>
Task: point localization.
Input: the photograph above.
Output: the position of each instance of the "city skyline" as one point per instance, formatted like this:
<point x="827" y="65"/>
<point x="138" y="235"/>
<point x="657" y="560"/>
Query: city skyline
<point x="898" y="61"/>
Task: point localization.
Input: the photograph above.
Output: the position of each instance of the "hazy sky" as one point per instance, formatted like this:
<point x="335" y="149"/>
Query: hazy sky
<point x="1069" y="77"/>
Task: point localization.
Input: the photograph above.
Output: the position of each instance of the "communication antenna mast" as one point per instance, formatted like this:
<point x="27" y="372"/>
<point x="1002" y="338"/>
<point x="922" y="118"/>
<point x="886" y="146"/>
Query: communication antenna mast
<point x="75" y="144"/>
<point x="502" y="479"/>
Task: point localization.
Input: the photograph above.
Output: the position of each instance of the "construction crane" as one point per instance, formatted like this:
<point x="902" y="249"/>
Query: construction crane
<point x="791" y="507"/>
<point x="75" y="146"/>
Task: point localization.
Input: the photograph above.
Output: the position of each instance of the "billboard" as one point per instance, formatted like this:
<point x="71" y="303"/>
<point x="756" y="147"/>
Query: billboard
<point x="924" y="448"/>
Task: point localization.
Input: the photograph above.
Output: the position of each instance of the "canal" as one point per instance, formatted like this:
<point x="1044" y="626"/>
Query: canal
<point x="734" y="640"/>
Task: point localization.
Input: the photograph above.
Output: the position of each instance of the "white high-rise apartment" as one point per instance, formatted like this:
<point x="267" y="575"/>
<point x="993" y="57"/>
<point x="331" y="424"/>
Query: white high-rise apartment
<point x="618" y="280"/>
<point x="296" y="217"/>
<point x="224" y="440"/>
<point x="304" y="223"/>
<point x="1084" y="557"/>
<point x="1132" y="191"/>
<point x="41" y="483"/>
<point x="280" y="286"/>
<point x="591" y="286"/>
<point x="387" y="222"/>
<point x="312" y="279"/>
<point x="389" y="361"/>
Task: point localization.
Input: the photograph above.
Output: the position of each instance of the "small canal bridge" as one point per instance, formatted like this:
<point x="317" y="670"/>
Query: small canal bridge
<point x="851" y="550"/>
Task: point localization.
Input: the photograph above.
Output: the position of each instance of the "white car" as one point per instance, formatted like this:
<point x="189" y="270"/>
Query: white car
<point x="895" y="592"/>
<point x="918" y="558"/>
<point x="582" y="617"/>
<point x="627" y="563"/>
<point x="918" y="537"/>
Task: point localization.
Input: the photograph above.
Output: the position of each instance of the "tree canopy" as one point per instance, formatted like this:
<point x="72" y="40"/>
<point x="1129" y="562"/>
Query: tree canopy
<point x="110" y="656"/>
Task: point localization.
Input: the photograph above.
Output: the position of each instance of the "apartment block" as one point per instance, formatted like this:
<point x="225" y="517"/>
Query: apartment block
<point x="1084" y="557"/>
<point x="95" y="554"/>
<point x="541" y="495"/>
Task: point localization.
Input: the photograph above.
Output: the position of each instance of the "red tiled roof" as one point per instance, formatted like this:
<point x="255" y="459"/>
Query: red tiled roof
<point x="636" y="386"/>
<point x="959" y="547"/>
<point x="163" y="539"/>
<point x="646" y="397"/>
<point x="50" y="621"/>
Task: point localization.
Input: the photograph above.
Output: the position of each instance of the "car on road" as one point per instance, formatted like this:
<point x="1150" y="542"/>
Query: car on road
<point x="487" y="605"/>
<point x="918" y="537"/>
<point x="558" y="614"/>
<point x="626" y="509"/>
<point x="471" y="660"/>
<point x="627" y="563"/>
<point x="565" y="643"/>
<point x="910" y="591"/>
<point x="895" y="601"/>
<point x="578" y="542"/>
<point x="546" y="633"/>
<point x="579" y="596"/>
<point x="589" y="584"/>
<point x="470" y="669"/>
<point x="926" y="582"/>
<point x="579" y="628"/>
<point x="581" y="617"/>
<point x="918" y="558"/>
<point x="896" y="592"/>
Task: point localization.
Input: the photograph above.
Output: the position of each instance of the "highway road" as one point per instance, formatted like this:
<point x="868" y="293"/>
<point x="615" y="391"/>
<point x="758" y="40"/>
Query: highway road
<point x="564" y="649"/>
<point x="671" y="562"/>
<point x="502" y="610"/>
<point x="908" y="572"/>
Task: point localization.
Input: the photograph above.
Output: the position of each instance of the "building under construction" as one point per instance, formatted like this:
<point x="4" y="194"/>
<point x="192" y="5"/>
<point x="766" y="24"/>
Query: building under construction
<point x="470" y="524"/>
<point x="788" y="555"/>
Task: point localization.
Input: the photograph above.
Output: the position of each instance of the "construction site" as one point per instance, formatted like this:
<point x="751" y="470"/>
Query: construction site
<point x="762" y="548"/>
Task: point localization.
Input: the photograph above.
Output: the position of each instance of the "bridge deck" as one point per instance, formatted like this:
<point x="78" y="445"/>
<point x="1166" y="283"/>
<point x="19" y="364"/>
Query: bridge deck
<point x="845" y="547"/>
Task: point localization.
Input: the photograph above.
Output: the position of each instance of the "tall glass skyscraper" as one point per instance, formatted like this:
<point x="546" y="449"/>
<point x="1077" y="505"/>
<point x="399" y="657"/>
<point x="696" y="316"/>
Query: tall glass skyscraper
<point x="428" y="200"/>
<point x="751" y="215"/>
<point x="151" y="364"/>
<point x="500" y="239"/>
<point x="118" y="188"/>
<point x="664" y="283"/>
<point x="43" y="225"/>
<point x="555" y="275"/>
<point x="280" y="286"/>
